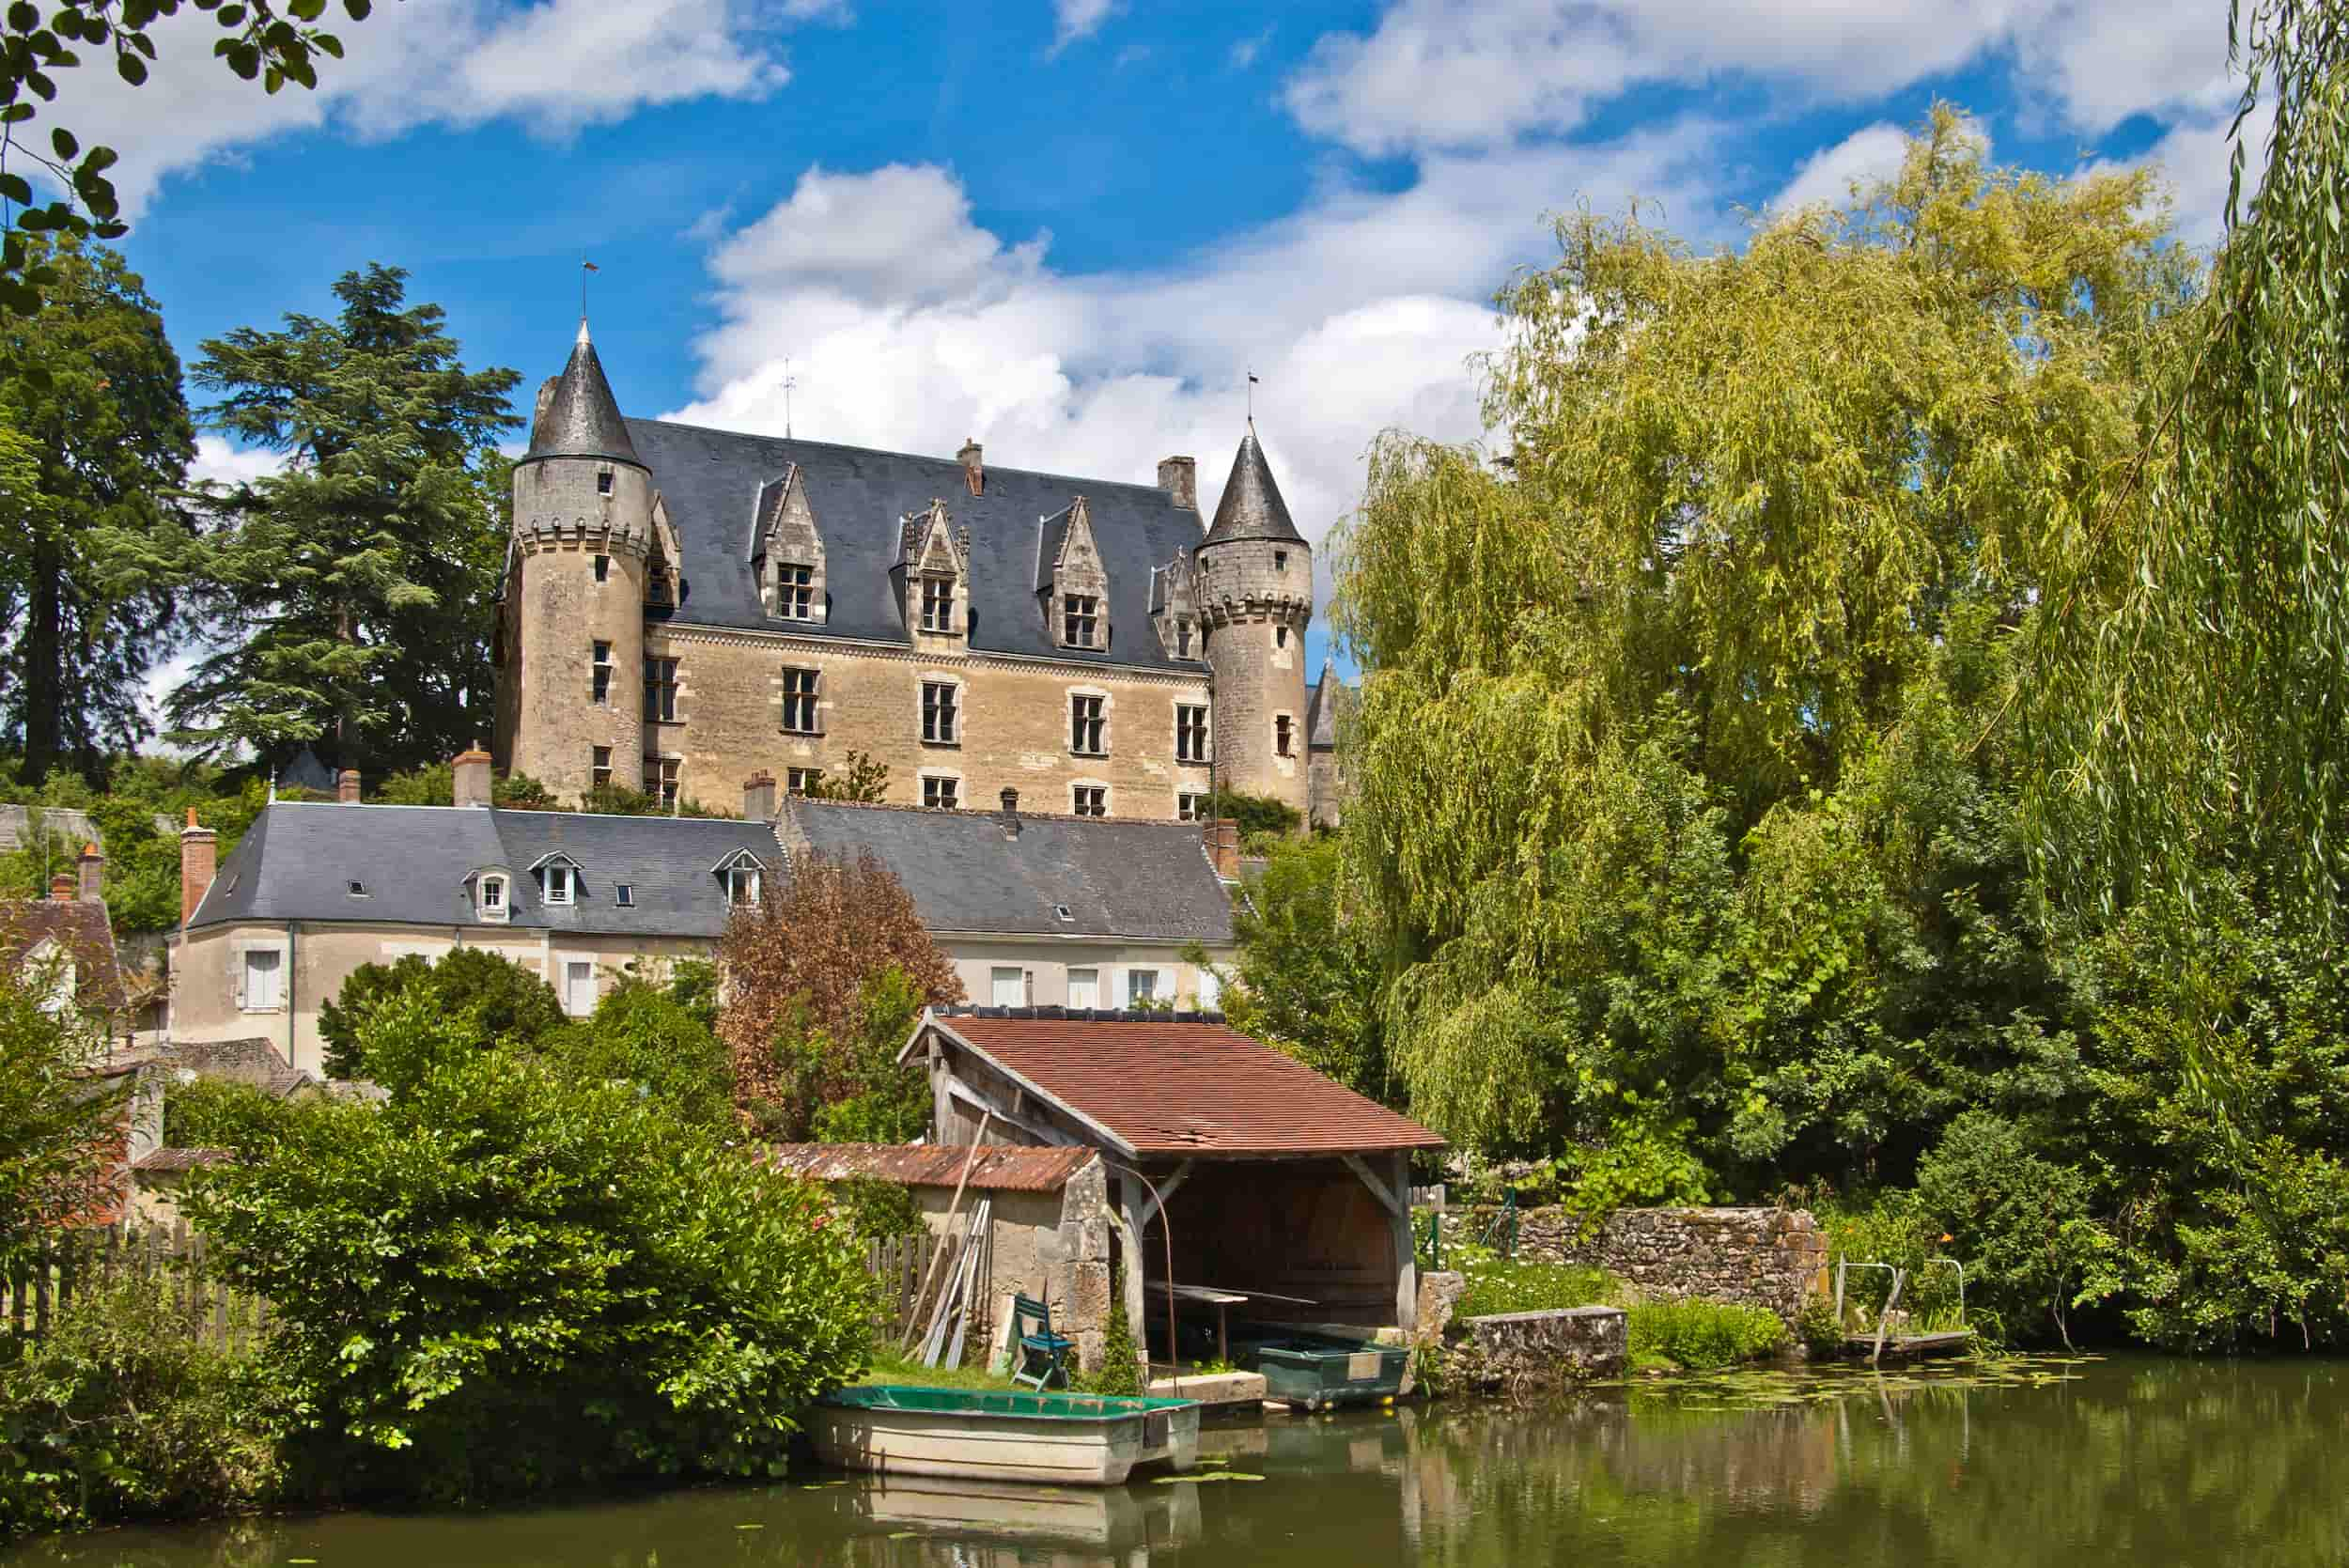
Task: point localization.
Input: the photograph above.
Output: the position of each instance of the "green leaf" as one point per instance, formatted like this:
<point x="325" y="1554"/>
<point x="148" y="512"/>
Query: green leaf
<point x="63" y="141"/>
<point x="130" y="67"/>
<point x="14" y="187"/>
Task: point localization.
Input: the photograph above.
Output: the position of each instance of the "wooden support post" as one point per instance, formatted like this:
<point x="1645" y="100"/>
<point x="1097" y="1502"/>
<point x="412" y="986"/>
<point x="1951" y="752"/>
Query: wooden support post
<point x="1151" y="1202"/>
<point x="1406" y="1253"/>
<point x="1129" y="1221"/>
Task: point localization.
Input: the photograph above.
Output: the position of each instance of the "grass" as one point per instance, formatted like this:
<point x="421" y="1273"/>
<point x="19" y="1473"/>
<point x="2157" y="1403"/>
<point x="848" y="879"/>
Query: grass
<point x="1702" y="1336"/>
<point x="1499" y="1284"/>
<point x="891" y="1367"/>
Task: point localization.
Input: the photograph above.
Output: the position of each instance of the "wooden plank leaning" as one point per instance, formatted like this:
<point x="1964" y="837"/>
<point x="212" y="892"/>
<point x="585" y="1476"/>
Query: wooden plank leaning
<point x="914" y="1312"/>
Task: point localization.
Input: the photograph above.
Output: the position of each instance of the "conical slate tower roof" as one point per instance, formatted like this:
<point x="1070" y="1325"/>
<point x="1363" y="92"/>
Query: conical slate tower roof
<point x="1251" y="508"/>
<point x="578" y="416"/>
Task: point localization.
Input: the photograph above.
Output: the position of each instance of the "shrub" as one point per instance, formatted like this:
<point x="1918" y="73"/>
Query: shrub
<point x="1818" y="1328"/>
<point x="512" y="1003"/>
<point x="876" y="1209"/>
<point x="2021" y="1220"/>
<point x="56" y="1132"/>
<point x="212" y="1113"/>
<point x="510" y="1279"/>
<point x="1498" y="1284"/>
<point x="1704" y="1335"/>
<point x="122" y="1414"/>
<point x="1121" y="1356"/>
<point x="640" y="1038"/>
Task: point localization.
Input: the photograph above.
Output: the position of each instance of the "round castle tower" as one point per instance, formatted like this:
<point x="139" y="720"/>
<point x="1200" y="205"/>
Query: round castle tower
<point x="582" y="541"/>
<point x="1255" y="588"/>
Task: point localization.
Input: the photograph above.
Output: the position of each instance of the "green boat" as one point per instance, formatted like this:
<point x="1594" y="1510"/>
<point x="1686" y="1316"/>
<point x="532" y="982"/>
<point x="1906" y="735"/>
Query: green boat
<point x="1062" y="1440"/>
<point x="1317" y="1371"/>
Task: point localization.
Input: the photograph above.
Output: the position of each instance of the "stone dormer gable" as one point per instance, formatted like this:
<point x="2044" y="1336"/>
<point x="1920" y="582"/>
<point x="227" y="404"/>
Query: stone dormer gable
<point x="664" y="578"/>
<point x="935" y="564"/>
<point x="1072" y="583"/>
<point x="1174" y="608"/>
<point x="787" y="551"/>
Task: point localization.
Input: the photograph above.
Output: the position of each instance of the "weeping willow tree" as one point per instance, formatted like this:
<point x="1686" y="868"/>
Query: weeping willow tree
<point x="1667" y="791"/>
<point x="2189" y="706"/>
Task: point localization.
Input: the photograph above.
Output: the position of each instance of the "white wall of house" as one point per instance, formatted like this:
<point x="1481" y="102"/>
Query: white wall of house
<point x="1027" y="972"/>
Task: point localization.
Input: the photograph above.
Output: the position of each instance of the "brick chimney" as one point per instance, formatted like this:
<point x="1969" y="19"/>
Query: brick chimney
<point x="200" y="858"/>
<point x="1011" y="814"/>
<point x="973" y="472"/>
<point x="1224" y="846"/>
<point x="470" y="771"/>
<point x="346" y="786"/>
<point x="758" y="797"/>
<point x="61" y="887"/>
<point x="1179" y="478"/>
<point x="92" y="867"/>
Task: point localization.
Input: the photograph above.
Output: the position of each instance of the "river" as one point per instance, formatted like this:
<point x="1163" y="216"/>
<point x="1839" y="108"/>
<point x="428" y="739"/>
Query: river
<point x="2063" y="1463"/>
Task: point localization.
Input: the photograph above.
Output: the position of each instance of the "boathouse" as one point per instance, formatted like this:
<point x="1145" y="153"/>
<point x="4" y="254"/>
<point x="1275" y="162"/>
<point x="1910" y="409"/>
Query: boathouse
<point x="1262" y="1179"/>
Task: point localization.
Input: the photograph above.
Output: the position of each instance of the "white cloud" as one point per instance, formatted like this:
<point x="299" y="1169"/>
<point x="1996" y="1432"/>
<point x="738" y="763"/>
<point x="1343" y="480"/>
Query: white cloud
<point x="1078" y="18"/>
<point x="556" y="65"/>
<point x="1243" y="53"/>
<point x="221" y="463"/>
<point x="1870" y="153"/>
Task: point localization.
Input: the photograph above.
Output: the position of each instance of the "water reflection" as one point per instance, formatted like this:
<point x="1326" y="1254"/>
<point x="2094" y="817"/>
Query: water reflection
<point x="2138" y="1461"/>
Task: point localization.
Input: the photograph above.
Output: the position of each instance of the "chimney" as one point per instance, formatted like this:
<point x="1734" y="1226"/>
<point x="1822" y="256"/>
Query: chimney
<point x="1011" y="814"/>
<point x="1223" y="848"/>
<point x="199" y="857"/>
<point x="61" y="889"/>
<point x="758" y="797"/>
<point x="92" y="867"/>
<point x="973" y="472"/>
<point x="1179" y="478"/>
<point x="471" y="773"/>
<point x="346" y="786"/>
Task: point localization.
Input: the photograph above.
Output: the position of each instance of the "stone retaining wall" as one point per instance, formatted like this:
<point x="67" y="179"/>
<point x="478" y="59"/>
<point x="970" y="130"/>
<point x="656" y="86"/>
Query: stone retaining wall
<point x="1762" y="1257"/>
<point x="1524" y="1352"/>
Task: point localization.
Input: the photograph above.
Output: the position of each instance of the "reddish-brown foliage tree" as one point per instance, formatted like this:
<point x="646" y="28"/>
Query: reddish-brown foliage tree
<point x="797" y="968"/>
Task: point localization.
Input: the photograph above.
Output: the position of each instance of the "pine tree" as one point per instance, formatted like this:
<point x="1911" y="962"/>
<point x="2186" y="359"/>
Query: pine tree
<point x="91" y="535"/>
<point x="352" y="588"/>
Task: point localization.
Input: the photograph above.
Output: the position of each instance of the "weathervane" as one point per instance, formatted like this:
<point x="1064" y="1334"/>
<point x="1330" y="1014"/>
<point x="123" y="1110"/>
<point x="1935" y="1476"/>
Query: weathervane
<point x="1251" y="398"/>
<point x="789" y="382"/>
<point x="585" y="266"/>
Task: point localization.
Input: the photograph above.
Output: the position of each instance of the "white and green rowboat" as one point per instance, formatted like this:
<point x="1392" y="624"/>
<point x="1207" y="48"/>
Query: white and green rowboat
<point x="1059" y="1439"/>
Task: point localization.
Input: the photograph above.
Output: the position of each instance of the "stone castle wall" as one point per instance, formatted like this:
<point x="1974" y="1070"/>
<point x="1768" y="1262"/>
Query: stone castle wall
<point x="1761" y="1257"/>
<point x="1256" y="597"/>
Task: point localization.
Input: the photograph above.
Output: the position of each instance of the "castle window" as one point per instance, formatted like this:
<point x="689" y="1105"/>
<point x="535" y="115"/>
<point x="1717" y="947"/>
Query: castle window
<point x="1279" y="560"/>
<point x="1088" y="725"/>
<point x="603" y="569"/>
<point x="1191" y="805"/>
<point x="939" y="714"/>
<point x="1283" y="726"/>
<point x="803" y="780"/>
<point x="1182" y="639"/>
<point x="1080" y="617"/>
<point x="1190" y="733"/>
<point x="663" y="771"/>
<point x="942" y="794"/>
<point x="1090" y="799"/>
<point x="660" y="690"/>
<point x="599" y="772"/>
<point x="603" y="481"/>
<point x="1280" y="637"/>
<point x="600" y="688"/>
<point x="938" y="604"/>
<point x="798" y="701"/>
<point x="795" y="593"/>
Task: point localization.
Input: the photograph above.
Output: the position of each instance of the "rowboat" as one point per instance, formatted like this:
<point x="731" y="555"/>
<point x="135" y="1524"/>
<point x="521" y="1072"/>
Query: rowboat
<point x="1060" y="1439"/>
<point x="1317" y="1371"/>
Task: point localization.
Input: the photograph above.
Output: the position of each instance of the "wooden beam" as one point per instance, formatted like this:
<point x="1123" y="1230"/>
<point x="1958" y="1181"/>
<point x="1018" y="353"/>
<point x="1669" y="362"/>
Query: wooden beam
<point x="1152" y="1201"/>
<point x="1378" y="1189"/>
<point x="1128" y="1217"/>
<point x="1406" y="1253"/>
<point x="956" y="1089"/>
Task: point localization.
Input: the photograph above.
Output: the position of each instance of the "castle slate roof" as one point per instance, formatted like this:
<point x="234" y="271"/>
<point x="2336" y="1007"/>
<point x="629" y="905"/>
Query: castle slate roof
<point x="711" y="482"/>
<point x="1116" y="878"/>
<point x="1251" y="508"/>
<point x="577" y="416"/>
<point x="298" y="859"/>
<point x="1321" y="708"/>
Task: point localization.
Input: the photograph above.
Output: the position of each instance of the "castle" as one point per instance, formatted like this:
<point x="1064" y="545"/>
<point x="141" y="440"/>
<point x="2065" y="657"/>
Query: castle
<point x="685" y="609"/>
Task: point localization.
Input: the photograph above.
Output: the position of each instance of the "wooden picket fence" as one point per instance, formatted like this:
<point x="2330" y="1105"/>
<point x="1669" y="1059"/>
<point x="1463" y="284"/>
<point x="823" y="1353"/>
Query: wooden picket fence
<point x="898" y="1263"/>
<point x="94" y="1257"/>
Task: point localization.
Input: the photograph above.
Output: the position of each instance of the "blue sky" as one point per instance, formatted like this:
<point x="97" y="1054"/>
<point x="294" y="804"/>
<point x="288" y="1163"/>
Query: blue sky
<point x="1070" y="228"/>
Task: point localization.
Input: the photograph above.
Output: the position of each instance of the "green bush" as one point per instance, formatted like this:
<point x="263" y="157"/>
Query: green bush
<point x="213" y="1114"/>
<point x="1121" y="1356"/>
<point x="507" y="1278"/>
<point x="514" y="1005"/>
<point x="2019" y="1220"/>
<point x="1702" y="1335"/>
<point x="1818" y="1328"/>
<point x="122" y="1414"/>
<point x="1499" y="1284"/>
<point x="639" y="1038"/>
<point x="875" y="1209"/>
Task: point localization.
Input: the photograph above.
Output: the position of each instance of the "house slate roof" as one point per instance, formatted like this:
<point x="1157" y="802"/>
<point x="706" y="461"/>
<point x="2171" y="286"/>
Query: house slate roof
<point x="298" y="857"/>
<point x="1182" y="1087"/>
<point x="997" y="1167"/>
<point x="1116" y="877"/>
<point x="711" y="482"/>
<point x="78" y="929"/>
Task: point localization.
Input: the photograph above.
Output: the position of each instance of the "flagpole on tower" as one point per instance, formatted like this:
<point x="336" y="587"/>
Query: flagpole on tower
<point x="1251" y="399"/>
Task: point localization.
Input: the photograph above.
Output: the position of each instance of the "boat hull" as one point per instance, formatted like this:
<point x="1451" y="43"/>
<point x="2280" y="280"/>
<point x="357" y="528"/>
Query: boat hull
<point x="1056" y="1439"/>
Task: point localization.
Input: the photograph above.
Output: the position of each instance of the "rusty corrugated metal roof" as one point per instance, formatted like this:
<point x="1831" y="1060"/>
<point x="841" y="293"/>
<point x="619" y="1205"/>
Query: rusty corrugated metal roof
<point x="1187" y="1088"/>
<point x="1000" y="1167"/>
<point x="185" y="1160"/>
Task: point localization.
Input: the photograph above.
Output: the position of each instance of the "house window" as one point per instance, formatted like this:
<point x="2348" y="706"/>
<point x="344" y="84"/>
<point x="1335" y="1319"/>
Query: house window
<point x="601" y="691"/>
<point x="938" y="604"/>
<point x="1191" y="805"/>
<point x="939" y="713"/>
<point x="663" y="771"/>
<point x="798" y="701"/>
<point x="603" y="569"/>
<point x="1007" y="986"/>
<point x="1080" y="615"/>
<point x="264" y="980"/>
<point x="599" y="774"/>
<point x="603" y="481"/>
<point x="1091" y="799"/>
<point x="493" y="895"/>
<point x="1084" y="988"/>
<point x="1190" y="733"/>
<point x="1182" y="639"/>
<point x="579" y="987"/>
<point x="803" y="780"/>
<point x="1282" y="725"/>
<point x="1141" y="986"/>
<point x="1088" y="726"/>
<point x="795" y="593"/>
<point x="660" y="690"/>
<point x="942" y="794"/>
<point x="742" y="886"/>
<point x="624" y="894"/>
<point x="558" y="884"/>
<point x="1210" y="990"/>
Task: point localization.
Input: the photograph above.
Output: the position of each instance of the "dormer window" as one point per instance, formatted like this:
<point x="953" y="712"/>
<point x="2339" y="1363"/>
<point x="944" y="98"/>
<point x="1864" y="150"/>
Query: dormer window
<point x="558" y="879"/>
<point x="938" y="604"/>
<point x="492" y="899"/>
<point x="1182" y="639"/>
<point x="492" y="893"/>
<point x="743" y="876"/>
<point x="795" y="591"/>
<point x="1080" y="619"/>
<point x="558" y="884"/>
